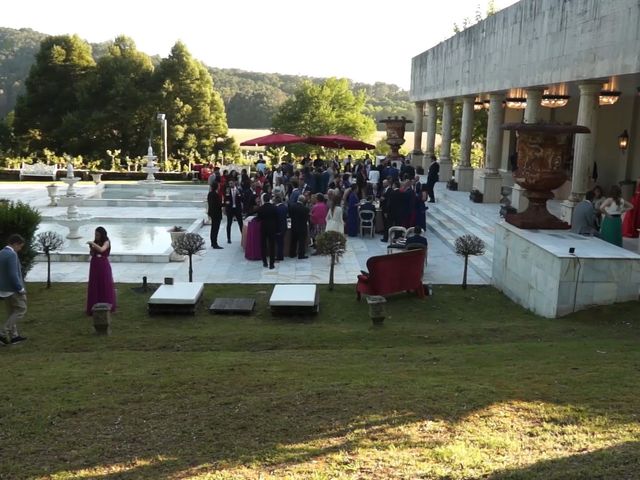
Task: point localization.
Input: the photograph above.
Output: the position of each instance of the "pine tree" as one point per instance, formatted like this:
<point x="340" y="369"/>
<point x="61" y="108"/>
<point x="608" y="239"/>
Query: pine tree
<point x="47" y="115"/>
<point x="195" y="111"/>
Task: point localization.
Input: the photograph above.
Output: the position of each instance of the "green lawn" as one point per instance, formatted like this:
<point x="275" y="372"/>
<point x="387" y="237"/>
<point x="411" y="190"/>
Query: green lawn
<point x="463" y="384"/>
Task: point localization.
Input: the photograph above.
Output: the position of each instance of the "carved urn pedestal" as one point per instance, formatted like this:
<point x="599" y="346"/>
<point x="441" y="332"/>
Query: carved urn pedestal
<point x="395" y="127"/>
<point x="544" y="151"/>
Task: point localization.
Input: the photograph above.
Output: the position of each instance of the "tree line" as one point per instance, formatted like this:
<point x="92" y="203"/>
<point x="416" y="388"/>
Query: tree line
<point x="74" y="104"/>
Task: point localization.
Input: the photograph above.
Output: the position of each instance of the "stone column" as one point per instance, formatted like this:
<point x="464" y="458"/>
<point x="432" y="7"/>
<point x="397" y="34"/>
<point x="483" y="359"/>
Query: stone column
<point x="532" y="114"/>
<point x="417" y="135"/>
<point x="491" y="181"/>
<point x="583" y="147"/>
<point x="464" y="172"/>
<point x="432" y="118"/>
<point x="445" y="147"/>
<point x="533" y="110"/>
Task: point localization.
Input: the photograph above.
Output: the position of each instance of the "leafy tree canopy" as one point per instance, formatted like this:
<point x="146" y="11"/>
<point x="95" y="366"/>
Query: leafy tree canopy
<point x="195" y="109"/>
<point x="330" y="107"/>
<point x="45" y="116"/>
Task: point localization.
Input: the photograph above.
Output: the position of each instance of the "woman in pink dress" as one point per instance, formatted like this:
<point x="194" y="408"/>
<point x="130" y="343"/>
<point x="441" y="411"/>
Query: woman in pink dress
<point x="631" y="222"/>
<point x="101" y="289"/>
<point x="318" y="216"/>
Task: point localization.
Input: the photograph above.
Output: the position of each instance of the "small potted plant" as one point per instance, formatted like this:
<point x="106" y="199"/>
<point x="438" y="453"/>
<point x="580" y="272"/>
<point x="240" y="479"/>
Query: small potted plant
<point x="176" y="232"/>
<point x="97" y="177"/>
<point x="52" y="191"/>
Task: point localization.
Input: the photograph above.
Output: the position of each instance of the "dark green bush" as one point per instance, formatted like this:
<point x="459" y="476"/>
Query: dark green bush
<point x="20" y="218"/>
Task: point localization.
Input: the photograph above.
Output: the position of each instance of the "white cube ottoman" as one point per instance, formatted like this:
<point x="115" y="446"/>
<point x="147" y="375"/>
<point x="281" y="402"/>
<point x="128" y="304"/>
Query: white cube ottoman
<point x="294" y="299"/>
<point x="180" y="297"/>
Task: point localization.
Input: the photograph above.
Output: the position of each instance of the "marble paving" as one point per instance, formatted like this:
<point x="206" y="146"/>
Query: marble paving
<point x="451" y="216"/>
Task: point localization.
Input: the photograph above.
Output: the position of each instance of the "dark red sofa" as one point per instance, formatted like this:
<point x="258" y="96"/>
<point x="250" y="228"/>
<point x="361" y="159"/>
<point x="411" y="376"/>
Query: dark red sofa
<point x="393" y="273"/>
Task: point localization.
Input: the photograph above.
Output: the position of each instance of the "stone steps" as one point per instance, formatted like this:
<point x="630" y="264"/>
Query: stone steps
<point x="451" y="217"/>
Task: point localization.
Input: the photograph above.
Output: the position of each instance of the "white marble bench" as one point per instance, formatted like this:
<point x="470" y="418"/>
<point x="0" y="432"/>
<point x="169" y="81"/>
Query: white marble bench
<point x="294" y="299"/>
<point x="38" y="169"/>
<point x="181" y="297"/>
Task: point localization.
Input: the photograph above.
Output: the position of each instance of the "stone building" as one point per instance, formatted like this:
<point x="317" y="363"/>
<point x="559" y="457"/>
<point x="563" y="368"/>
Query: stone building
<point x="569" y="61"/>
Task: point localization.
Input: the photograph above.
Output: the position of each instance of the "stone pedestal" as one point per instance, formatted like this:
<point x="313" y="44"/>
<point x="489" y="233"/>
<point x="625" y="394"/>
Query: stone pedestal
<point x="417" y="159"/>
<point x="490" y="186"/>
<point x="518" y="200"/>
<point x="101" y="313"/>
<point x="464" y="177"/>
<point x="536" y="270"/>
<point x="446" y="170"/>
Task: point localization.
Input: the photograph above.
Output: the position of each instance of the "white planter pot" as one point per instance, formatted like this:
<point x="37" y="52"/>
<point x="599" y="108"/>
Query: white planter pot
<point x="174" y="257"/>
<point x="97" y="178"/>
<point x="52" y="191"/>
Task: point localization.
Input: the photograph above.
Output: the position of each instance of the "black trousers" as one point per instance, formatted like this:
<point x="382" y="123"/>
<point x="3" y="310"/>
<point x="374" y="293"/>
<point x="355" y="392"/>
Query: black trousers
<point x="268" y="245"/>
<point x="298" y="243"/>
<point x="387" y="225"/>
<point x="280" y="246"/>
<point x="430" y="192"/>
<point x="231" y="214"/>
<point x="215" y="228"/>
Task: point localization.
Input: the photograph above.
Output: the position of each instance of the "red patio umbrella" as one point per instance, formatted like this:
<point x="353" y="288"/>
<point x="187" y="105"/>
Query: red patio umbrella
<point x="338" y="141"/>
<point x="273" y="139"/>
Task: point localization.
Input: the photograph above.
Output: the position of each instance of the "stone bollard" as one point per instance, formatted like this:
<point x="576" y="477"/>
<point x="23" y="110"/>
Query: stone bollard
<point x="102" y="318"/>
<point x="376" y="309"/>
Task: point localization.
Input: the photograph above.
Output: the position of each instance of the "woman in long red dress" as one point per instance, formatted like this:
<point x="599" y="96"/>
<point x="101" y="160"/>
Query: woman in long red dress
<point x="100" y="289"/>
<point x="631" y="222"/>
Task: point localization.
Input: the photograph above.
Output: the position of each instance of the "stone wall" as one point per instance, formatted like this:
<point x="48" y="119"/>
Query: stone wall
<point x="534" y="42"/>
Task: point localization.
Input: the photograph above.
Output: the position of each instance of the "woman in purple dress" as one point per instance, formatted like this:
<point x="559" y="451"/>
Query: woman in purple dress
<point x="353" y="220"/>
<point x="101" y="288"/>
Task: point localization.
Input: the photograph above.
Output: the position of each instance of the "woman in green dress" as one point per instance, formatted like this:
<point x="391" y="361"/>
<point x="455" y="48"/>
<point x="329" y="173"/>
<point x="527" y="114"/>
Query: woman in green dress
<point x="612" y="209"/>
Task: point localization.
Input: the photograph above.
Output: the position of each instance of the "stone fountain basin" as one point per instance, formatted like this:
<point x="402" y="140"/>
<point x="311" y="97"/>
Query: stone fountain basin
<point x="132" y="239"/>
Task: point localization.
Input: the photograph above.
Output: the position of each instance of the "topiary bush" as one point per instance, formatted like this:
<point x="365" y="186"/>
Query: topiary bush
<point x="20" y="218"/>
<point x="333" y="244"/>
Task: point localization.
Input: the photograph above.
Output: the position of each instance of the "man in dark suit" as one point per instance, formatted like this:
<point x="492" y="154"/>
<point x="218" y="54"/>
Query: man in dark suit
<point x="407" y="171"/>
<point x="214" y="211"/>
<point x="433" y="176"/>
<point x="396" y="205"/>
<point x="283" y="213"/>
<point x="384" y="206"/>
<point x="417" y="237"/>
<point x="268" y="216"/>
<point x="583" y="220"/>
<point x="12" y="289"/>
<point x="233" y="207"/>
<point x="299" y="214"/>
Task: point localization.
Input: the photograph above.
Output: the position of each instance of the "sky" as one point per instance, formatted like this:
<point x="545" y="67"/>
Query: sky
<point x="366" y="41"/>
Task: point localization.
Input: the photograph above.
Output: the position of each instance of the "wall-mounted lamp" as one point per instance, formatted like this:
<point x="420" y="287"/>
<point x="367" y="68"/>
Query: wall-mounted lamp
<point x="623" y="141"/>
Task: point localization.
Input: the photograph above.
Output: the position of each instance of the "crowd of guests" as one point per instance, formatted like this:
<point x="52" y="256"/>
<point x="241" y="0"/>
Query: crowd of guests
<point x="315" y="196"/>
<point x="602" y="216"/>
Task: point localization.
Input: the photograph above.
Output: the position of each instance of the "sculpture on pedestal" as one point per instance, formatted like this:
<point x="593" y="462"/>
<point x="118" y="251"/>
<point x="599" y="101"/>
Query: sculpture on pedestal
<point x="395" y="135"/>
<point x="544" y="151"/>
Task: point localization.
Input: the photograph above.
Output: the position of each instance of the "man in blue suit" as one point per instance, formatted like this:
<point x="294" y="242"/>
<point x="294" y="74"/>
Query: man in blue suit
<point x="12" y="289"/>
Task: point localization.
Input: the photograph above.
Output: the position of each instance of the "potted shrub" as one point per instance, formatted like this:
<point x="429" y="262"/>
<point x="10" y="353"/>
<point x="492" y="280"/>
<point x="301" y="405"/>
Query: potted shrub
<point x="48" y="242"/>
<point x="467" y="245"/>
<point x="333" y="244"/>
<point x="52" y="191"/>
<point x="189" y="244"/>
<point x="97" y="177"/>
<point x="176" y="232"/>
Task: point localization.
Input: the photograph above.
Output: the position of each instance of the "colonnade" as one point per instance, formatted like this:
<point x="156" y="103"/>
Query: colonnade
<point x="490" y="178"/>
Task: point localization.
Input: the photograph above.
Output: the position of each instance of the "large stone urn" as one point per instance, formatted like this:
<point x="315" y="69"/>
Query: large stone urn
<point x="395" y="127"/>
<point x="544" y="153"/>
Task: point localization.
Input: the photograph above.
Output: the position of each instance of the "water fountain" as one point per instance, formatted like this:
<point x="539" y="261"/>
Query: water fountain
<point x="73" y="220"/>
<point x="150" y="183"/>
